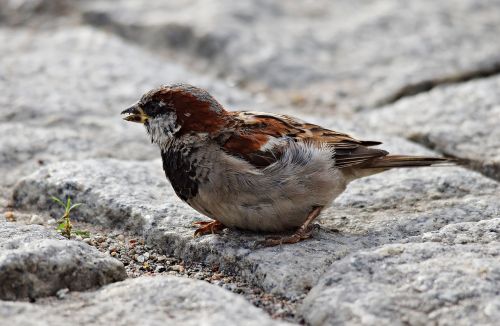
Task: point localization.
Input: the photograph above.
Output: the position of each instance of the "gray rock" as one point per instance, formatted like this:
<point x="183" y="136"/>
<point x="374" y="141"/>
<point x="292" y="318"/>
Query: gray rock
<point x="61" y="294"/>
<point x="461" y="121"/>
<point x="37" y="219"/>
<point x="391" y="207"/>
<point x="468" y="232"/>
<point x="327" y="55"/>
<point x="35" y="13"/>
<point x="418" y="284"/>
<point x="142" y="301"/>
<point x="36" y="262"/>
<point x="90" y="73"/>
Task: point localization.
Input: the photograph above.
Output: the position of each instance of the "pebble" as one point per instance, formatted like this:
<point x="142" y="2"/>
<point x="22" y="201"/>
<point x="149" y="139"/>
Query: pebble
<point x="36" y="219"/>
<point x="120" y="237"/>
<point x="141" y="259"/>
<point x="10" y="217"/>
<point x="176" y="268"/>
<point x="216" y="276"/>
<point x="160" y="269"/>
<point x="279" y="312"/>
<point x="62" y="293"/>
<point x="229" y="286"/>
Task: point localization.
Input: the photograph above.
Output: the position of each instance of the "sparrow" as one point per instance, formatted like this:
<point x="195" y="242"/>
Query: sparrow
<point x="253" y="170"/>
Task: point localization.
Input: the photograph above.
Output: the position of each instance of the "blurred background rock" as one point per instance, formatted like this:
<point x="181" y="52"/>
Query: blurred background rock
<point x="347" y="54"/>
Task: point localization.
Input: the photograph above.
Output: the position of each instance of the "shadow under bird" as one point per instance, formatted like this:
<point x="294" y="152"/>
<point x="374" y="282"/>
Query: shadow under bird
<point x="254" y="170"/>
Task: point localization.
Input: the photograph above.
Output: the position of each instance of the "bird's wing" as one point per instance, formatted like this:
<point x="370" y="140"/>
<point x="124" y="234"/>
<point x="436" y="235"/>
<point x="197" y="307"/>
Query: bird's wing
<point x="261" y="139"/>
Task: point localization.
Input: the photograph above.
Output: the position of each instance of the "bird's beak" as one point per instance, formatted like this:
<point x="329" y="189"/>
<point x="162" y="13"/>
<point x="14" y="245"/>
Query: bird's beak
<point x="135" y="114"/>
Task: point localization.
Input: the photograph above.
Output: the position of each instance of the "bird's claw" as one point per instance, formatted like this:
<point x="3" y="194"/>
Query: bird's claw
<point x="206" y="227"/>
<point x="298" y="236"/>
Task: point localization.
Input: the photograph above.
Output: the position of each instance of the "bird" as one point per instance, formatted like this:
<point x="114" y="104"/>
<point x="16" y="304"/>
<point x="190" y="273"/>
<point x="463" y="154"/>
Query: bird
<point x="255" y="171"/>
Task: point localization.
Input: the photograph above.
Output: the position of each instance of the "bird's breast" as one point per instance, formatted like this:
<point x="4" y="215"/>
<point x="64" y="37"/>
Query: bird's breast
<point x="275" y="198"/>
<point x="180" y="166"/>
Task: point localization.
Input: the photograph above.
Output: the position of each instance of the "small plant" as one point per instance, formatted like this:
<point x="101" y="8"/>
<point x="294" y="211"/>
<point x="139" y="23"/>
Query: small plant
<point x="64" y="225"/>
<point x="84" y="234"/>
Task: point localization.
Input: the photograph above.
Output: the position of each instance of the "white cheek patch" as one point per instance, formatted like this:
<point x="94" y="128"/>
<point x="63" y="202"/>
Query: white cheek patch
<point x="163" y="129"/>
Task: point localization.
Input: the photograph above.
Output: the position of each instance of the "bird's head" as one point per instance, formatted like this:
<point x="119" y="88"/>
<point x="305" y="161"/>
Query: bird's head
<point x="170" y="111"/>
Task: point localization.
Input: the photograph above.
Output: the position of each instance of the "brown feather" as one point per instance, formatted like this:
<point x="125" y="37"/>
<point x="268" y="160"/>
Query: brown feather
<point x="359" y="155"/>
<point x="249" y="132"/>
<point x="403" y="161"/>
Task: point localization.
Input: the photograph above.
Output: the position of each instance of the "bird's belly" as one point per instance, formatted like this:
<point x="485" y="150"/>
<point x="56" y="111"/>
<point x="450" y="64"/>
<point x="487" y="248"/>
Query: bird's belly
<point x="269" y="208"/>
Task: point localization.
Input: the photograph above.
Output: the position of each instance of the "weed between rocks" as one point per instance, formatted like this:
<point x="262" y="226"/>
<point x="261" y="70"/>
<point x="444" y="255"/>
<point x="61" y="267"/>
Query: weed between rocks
<point x="64" y="224"/>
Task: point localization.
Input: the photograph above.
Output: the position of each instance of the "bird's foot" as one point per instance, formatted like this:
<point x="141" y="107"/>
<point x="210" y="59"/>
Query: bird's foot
<point x="299" y="235"/>
<point x="302" y="233"/>
<point x="206" y="227"/>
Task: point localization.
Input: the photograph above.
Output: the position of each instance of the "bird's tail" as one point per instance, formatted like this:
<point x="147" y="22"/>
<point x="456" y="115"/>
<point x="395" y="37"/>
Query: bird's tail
<point x="404" y="161"/>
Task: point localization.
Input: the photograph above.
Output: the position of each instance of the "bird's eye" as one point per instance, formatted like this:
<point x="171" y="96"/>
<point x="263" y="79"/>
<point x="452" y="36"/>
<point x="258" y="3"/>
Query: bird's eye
<point x="154" y="108"/>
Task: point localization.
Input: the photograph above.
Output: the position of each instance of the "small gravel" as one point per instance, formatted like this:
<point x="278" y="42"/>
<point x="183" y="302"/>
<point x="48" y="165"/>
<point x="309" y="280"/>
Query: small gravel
<point x="142" y="259"/>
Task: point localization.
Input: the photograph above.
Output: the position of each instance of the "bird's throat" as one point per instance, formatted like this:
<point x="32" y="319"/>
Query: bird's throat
<point x="163" y="130"/>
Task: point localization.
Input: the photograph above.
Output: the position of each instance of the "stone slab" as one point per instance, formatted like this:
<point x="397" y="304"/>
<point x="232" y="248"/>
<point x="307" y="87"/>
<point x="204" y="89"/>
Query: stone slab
<point x="460" y="120"/>
<point x="36" y="262"/>
<point x="162" y="300"/>
<point x="319" y="54"/>
<point x="415" y="283"/>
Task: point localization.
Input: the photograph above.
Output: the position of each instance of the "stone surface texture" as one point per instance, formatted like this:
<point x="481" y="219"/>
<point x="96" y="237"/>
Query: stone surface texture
<point x="460" y="120"/>
<point x="411" y="247"/>
<point x="141" y="301"/>
<point x="350" y="54"/>
<point x="417" y="283"/>
<point x="36" y="262"/>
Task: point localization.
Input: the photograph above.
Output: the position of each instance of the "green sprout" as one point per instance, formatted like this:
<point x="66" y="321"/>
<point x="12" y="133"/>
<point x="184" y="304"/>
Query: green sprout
<point x="82" y="233"/>
<point x="64" y="225"/>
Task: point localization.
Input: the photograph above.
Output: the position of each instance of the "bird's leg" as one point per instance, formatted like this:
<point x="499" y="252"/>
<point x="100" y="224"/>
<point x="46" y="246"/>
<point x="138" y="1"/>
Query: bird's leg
<point x="205" y="227"/>
<point x="303" y="232"/>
